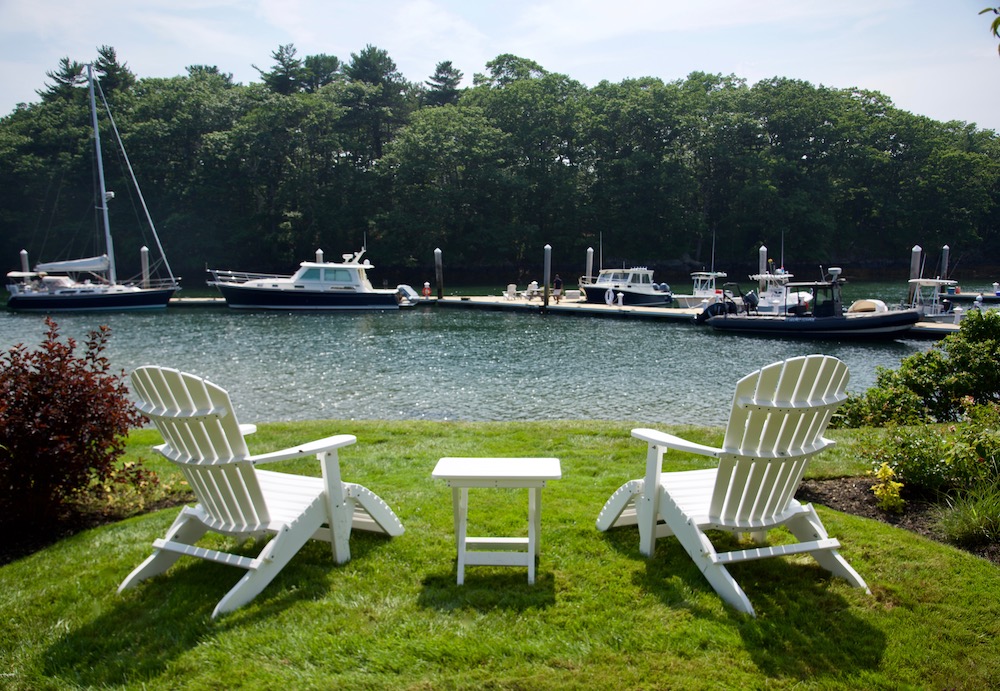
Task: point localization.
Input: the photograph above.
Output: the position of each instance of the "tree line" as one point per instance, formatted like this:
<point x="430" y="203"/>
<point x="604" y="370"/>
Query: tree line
<point x="324" y="153"/>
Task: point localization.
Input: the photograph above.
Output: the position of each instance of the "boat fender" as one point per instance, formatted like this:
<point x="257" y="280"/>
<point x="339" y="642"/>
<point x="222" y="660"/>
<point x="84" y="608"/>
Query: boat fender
<point x="609" y="296"/>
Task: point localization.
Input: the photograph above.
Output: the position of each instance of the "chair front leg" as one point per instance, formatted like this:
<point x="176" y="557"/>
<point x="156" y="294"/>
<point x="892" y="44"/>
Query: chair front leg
<point x="647" y="505"/>
<point x="339" y="507"/>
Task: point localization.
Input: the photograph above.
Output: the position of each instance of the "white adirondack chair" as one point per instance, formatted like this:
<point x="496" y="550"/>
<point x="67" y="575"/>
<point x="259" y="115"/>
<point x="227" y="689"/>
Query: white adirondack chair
<point x="203" y="437"/>
<point x="778" y="418"/>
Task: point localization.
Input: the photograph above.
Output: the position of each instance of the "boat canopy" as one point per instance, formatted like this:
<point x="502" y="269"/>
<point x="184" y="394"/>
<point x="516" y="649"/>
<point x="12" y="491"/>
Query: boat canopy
<point x="100" y="263"/>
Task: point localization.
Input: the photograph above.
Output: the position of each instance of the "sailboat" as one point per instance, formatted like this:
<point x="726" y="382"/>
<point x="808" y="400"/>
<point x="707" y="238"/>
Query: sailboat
<point x="92" y="283"/>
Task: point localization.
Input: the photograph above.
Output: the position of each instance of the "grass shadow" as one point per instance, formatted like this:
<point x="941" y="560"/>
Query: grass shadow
<point x="146" y="628"/>
<point x="489" y="589"/>
<point x="804" y="628"/>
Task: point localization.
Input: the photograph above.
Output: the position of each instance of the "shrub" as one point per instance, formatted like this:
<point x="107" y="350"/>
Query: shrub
<point x="63" y="422"/>
<point x="886" y="489"/>
<point x="935" y="459"/>
<point x="935" y="386"/>
<point x="888" y="402"/>
<point x="915" y="455"/>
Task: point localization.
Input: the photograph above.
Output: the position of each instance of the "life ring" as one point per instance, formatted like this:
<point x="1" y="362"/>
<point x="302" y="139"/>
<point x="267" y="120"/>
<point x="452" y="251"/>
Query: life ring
<point x="427" y="290"/>
<point x="609" y="296"/>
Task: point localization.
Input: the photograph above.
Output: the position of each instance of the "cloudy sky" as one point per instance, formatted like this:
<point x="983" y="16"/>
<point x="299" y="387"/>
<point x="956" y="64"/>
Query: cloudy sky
<point x="931" y="57"/>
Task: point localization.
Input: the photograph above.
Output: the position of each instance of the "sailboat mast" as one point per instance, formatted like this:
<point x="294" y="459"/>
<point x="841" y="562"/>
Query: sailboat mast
<point x="103" y="198"/>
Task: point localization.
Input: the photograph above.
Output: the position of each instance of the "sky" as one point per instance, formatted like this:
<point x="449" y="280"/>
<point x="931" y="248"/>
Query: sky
<point x="931" y="57"/>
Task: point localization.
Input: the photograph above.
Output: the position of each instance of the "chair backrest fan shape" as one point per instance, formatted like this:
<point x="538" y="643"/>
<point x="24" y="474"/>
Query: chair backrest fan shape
<point x="203" y="437"/>
<point x="777" y="422"/>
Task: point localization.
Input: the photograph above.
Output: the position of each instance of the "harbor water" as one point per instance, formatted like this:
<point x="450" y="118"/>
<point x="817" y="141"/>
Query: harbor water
<point x="452" y="364"/>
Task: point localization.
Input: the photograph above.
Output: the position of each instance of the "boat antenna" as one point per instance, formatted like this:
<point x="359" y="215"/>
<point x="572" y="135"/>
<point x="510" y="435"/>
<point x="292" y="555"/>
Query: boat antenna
<point x="713" y="249"/>
<point x="103" y="199"/>
<point x="135" y="184"/>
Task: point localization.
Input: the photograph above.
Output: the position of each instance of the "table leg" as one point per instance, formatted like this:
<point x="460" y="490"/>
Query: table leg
<point x="534" y="528"/>
<point x="460" y="501"/>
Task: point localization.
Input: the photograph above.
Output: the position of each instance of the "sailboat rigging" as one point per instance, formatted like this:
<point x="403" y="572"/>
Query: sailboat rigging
<point x="60" y="285"/>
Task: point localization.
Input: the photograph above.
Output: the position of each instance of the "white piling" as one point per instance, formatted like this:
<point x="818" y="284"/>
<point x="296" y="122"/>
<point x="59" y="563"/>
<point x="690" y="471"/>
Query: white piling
<point x="144" y="262"/>
<point x="439" y="273"/>
<point x="546" y="275"/>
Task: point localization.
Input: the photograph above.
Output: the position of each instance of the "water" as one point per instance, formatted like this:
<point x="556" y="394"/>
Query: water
<point x="452" y="364"/>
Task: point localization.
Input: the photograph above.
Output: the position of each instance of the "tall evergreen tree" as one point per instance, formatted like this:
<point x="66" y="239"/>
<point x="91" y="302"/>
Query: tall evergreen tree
<point x="65" y="79"/>
<point x="377" y="101"/>
<point x="320" y="70"/>
<point x="288" y="73"/>
<point x="114" y="76"/>
<point x="442" y="87"/>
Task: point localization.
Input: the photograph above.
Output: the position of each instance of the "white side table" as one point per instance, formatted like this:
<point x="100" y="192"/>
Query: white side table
<point x="463" y="473"/>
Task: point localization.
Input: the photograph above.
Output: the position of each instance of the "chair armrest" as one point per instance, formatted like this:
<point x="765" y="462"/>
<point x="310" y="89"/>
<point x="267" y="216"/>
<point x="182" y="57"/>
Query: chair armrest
<point x="247" y="429"/>
<point x="657" y="438"/>
<point x="313" y="447"/>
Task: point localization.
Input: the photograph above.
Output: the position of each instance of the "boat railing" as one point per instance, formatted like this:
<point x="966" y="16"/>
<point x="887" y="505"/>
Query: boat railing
<point x="155" y="283"/>
<point x="226" y="276"/>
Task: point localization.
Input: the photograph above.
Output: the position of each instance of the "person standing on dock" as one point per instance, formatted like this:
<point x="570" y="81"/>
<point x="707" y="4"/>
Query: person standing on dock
<point x="557" y="286"/>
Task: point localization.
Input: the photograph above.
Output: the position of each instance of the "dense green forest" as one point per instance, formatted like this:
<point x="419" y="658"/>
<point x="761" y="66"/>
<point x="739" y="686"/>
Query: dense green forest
<point x="324" y="153"/>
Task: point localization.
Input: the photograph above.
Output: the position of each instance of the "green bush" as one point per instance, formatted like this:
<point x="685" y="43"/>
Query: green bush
<point x="937" y="385"/>
<point x="935" y="459"/>
<point x="63" y="422"/>
<point x="916" y="455"/>
<point x="888" y="402"/>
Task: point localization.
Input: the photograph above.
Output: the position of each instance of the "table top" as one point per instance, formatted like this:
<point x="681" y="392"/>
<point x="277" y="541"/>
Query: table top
<point x="497" y="469"/>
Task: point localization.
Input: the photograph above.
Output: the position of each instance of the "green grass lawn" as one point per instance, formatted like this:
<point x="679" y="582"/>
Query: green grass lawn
<point x="600" y="616"/>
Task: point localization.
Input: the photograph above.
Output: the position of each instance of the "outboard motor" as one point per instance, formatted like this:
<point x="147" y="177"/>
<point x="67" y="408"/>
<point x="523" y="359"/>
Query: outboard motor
<point x="750" y="301"/>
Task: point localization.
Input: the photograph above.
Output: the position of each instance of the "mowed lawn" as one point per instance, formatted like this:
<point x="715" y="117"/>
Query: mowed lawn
<point x="600" y="615"/>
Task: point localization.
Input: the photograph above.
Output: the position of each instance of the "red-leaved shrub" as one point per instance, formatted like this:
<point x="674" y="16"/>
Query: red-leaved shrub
<point x="63" y="422"/>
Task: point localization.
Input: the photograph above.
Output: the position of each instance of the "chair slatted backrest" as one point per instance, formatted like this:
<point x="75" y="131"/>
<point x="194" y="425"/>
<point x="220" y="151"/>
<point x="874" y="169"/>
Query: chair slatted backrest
<point x="777" y="422"/>
<point x="203" y="437"/>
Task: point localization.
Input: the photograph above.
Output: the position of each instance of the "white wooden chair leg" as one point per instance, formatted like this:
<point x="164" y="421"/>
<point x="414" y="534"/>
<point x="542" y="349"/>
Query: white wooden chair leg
<point x="340" y="508"/>
<point x="278" y="552"/>
<point x="703" y="553"/>
<point x="725" y="585"/>
<point x="647" y="506"/>
<point x="806" y="527"/>
<point x="186" y="528"/>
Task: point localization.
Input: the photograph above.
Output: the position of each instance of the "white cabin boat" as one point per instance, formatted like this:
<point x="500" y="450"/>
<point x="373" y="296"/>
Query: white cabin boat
<point x="703" y="290"/>
<point x="317" y="285"/>
<point x="635" y="286"/>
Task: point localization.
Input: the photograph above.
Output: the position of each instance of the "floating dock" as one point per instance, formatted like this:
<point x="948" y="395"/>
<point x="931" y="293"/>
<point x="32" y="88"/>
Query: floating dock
<point x="576" y="307"/>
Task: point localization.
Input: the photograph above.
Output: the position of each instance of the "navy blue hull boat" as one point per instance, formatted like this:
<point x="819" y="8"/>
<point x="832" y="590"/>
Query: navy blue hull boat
<point x="823" y="316"/>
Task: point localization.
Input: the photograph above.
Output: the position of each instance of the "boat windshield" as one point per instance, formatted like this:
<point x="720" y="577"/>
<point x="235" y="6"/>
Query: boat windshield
<point x="613" y="277"/>
<point x="337" y="276"/>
